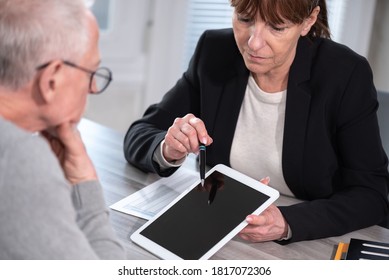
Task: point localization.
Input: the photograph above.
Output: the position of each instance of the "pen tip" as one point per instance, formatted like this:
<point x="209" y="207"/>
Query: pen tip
<point x="202" y="182"/>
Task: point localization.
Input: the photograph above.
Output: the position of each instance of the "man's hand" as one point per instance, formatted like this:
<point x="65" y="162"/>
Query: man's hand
<point x="65" y="141"/>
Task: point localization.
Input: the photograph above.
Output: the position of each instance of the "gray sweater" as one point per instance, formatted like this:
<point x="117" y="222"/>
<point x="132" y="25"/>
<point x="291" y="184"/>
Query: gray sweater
<point x="41" y="215"/>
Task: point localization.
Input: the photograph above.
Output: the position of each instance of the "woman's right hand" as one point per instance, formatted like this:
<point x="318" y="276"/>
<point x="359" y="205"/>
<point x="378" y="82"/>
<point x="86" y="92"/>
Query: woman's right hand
<point x="184" y="137"/>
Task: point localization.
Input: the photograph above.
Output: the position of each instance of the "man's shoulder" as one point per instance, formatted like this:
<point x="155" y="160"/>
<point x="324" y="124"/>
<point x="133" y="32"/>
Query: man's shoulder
<point x="12" y="137"/>
<point x="24" y="153"/>
<point x="9" y="131"/>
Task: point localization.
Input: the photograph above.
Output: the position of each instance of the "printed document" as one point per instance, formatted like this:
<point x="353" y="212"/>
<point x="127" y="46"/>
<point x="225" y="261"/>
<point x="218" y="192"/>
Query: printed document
<point x="148" y="201"/>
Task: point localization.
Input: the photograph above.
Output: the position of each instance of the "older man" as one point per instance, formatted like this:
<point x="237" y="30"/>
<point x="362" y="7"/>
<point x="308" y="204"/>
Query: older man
<point x="51" y="203"/>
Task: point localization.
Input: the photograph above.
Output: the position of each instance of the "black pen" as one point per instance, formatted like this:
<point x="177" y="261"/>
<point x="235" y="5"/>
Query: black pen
<point x="202" y="163"/>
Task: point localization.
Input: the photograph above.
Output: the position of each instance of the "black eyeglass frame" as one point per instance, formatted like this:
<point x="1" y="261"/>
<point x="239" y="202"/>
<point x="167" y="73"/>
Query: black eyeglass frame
<point x="92" y="74"/>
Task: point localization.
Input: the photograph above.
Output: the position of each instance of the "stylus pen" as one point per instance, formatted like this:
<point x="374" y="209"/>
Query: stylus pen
<point x="202" y="163"/>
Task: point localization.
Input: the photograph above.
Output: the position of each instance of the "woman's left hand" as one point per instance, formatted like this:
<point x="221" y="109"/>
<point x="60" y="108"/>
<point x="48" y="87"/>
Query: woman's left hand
<point x="269" y="225"/>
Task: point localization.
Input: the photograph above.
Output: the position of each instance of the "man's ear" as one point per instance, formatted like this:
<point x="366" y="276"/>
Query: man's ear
<point x="50" y="80"/>
<point x="310" y="21"/>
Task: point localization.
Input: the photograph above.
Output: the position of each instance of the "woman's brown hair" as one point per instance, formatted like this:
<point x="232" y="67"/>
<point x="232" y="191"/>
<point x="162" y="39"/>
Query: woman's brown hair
<point x="278" y="11"/>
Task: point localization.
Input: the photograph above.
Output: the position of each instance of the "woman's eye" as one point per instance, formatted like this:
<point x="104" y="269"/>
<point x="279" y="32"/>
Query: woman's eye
<point x="244" y="19"/>
<point x="277" y="28"/>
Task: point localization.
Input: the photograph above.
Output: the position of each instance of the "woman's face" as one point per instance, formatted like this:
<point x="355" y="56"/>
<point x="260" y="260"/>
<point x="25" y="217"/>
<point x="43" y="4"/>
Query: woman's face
<point x="268" y="49"/>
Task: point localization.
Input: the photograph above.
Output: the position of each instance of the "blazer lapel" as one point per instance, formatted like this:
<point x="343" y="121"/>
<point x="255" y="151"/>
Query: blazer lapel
<point x="296" y="118"/>
<point x="231" y="93"/>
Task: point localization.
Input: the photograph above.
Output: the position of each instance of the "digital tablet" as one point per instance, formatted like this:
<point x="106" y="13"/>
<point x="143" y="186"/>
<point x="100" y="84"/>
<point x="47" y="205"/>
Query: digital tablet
<point x="204" y="218"/>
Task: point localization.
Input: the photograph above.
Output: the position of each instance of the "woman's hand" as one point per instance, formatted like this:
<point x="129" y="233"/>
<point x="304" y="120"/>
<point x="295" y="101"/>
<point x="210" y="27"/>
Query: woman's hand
<point x="269" y="225"/>
<point x="65" y="141"/>
<point x="184" y="136"/>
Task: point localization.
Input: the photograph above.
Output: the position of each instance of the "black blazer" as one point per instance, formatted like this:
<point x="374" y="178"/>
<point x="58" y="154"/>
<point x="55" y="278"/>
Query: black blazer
<point x="332" y="152"/>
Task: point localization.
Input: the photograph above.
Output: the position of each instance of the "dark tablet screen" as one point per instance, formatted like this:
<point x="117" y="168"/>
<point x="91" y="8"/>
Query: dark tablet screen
<point x="204" y="216"/>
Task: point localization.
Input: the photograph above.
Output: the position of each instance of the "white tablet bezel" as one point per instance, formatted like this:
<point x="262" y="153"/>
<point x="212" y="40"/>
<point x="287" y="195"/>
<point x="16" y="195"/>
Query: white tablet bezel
<point x="164" y="253"/>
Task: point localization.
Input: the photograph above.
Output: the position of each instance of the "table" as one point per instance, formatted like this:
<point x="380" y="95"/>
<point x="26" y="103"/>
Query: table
<point x="120" y="179"/>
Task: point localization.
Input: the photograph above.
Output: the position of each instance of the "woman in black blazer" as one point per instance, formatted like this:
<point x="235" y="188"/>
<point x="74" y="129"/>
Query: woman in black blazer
<point x="329" y="149"/>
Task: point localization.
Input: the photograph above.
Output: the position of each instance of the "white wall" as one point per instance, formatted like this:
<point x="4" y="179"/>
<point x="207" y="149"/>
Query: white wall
<point x="165" y="48"/>
<point x="358" y="18"/>
<point x="379" y="50"/>
<point x="123" y="49"/>
<point x="143" y="46"/>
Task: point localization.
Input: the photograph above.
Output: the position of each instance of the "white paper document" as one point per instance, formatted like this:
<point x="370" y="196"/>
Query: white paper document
<point x="148" y="201"/>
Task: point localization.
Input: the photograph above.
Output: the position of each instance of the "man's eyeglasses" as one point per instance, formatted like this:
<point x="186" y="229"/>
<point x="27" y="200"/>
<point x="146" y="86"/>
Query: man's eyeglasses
<point x="99" y="79"/>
